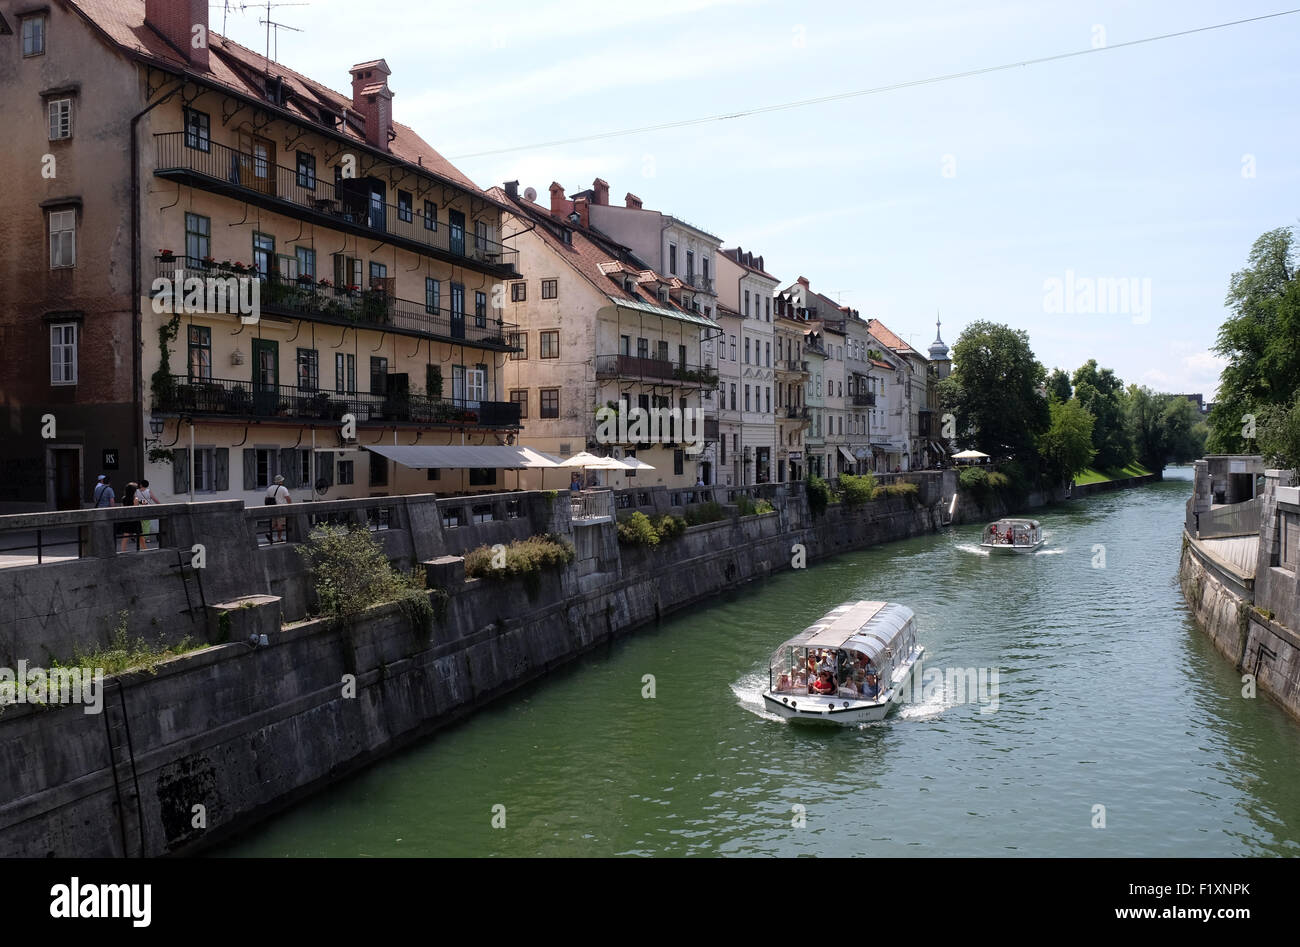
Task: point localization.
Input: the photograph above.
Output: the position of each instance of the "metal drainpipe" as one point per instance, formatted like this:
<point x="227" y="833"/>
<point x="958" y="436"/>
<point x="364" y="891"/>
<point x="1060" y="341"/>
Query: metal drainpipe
<point x="137" y="332"/>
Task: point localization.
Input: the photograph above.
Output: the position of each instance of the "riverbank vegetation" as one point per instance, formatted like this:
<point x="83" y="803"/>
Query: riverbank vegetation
<point x="1045" y="430"/>
<point x="350" y="573"/>
<point x="1257" y="409"/>
<point x="522" y="557"/>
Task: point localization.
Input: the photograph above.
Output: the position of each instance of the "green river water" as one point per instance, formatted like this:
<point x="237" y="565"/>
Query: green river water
<point x="1108" y="695"/>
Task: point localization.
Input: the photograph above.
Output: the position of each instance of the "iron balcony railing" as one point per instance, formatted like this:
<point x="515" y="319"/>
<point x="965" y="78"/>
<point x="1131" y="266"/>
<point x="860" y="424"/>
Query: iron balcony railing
<point x="348" y="206"/>
<point x="321" y="301"/>
<point x="699" y="281"/>
<point x="248" y="399"/>
<point x="791" y="365"/>
<point x="587" y="505"/>
<point x="658" y="369"/>
<point x="864" y="399"/>
<point x="797" y="412"/>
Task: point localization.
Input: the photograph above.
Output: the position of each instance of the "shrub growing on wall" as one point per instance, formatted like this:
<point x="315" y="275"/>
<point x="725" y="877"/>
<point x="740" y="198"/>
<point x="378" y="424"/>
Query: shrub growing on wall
<point x="819" y="494"/>
<point x="351" y="573"/>
<point x="636" y="530"/>
<point x="522" y="557"/>
<point x="702" y="513"/>
<point x="857" y="489"/>
<point x="669" y="527"/>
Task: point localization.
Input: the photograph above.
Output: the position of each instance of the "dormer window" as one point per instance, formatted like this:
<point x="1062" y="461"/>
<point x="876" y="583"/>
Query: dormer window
<point x="568" y="237"/>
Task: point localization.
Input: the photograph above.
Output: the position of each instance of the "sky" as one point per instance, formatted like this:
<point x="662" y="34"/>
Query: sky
<point x="1021" y="196"/>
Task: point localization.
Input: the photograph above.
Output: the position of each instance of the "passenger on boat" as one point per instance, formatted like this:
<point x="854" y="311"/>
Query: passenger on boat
<point x="828" y="663"/>
<point x="870" y="685"/>
<point x="824" y="683"/>
<point x="993" y="533"/>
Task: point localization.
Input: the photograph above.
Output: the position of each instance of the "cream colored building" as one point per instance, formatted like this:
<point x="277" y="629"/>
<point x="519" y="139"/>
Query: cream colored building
<point x="596" y="328"/>
<point x="747" y="289"/>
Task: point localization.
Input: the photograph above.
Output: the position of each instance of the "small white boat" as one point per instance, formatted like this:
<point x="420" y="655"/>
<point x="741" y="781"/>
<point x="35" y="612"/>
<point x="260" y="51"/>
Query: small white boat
<point x="851" y="667"/>
<point x="1009" y="536"/>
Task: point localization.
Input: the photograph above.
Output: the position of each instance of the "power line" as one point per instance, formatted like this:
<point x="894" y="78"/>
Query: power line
<point x="684" y="123"/>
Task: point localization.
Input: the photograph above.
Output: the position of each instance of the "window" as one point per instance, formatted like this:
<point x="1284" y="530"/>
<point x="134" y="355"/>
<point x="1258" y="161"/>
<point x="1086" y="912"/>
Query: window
<point x="518" y="292"/>
<point x="769" y="400"/>
<point x="205" y="470"/>
<point x="733" y="397"/>
<point x="378" y="375"/>
<point x="347" y="272"/>
<point x="519" y="340"/>
<point x="672" y="259"/>
<point x="550" y="403"/>
<point x="661" y="350"/>
<point x="747" y="351"/>
<point x="481" y="240"/>
<point x="197" y="130"/>
<point x="476" y="383"/>
<point x="378" y="271"/>
<point x="767" y="353"/>
<point x="378" y="470"/>
<point x="550" y="343"/>
<point x="308" y="370"/>
<point x="642" y="348"/>
<point x="733" y="348"/>
<point x="550" y="288"/>
<point x="198" y="238"/>
<point x="263" y="253"/>
<point x="432" y="295"/>
<point x="520" y="397"/>
<point x="746" y="304"/>
<point x="34" y="35"/>
<point x="306" y="171"/>
<point x="747" y="397"/>
<point x="433" y="381"/>
<point x="60" y="119"/>
<point x="405" y="209"/>
<point x="306" y="257"/>
<point x="624" y="345"/>
<point x="430" y="215"/>
<point x="63" y="242"/>
<point x="345" y="472"/>
<point x="480" y="309"/>
<point x="482" y="477"/>
<point x="200" y="353"/>
<point x="63" y="354"/>
<point x="457" y="308"/>
<point x="704" y="268"/>
<point x="690" y="267"/>
<point x="679" y="462"/>
<point x="345" y="375"/>
<point x="433" y="473"/>
<point x="263" y="467"/>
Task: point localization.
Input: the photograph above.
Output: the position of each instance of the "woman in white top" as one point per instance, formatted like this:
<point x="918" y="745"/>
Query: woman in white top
<point x="144" y="497"/>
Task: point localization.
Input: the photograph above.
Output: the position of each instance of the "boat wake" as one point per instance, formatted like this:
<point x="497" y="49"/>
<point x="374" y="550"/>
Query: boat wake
<point x="972" y="548"/>
<point x="749" y="694"/>
<point x="1050" y="552"/>
<point x="931" y="706"/>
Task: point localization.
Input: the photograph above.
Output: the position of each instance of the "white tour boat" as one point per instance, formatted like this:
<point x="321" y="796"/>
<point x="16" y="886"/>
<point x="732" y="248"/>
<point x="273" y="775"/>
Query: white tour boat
<point x="848" y="668"/>
<point x="1012" y="536"/>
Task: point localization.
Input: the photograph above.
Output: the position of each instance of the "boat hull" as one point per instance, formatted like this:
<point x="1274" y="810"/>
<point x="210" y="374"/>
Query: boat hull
<point x="837" y="711"/>
<point x="1003" y="549"/>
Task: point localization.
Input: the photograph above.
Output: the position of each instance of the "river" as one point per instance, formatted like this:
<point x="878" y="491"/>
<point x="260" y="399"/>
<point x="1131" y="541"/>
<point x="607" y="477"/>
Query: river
<point x="1107" y="696"/>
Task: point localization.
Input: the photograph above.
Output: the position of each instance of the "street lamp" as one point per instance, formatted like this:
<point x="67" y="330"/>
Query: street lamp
<point x="156" y="429"/>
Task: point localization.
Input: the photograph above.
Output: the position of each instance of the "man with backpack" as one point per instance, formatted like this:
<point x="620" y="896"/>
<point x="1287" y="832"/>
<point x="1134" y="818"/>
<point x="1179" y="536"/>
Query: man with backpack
<point x="276" y="494"/>
<point x="103" y="495"/>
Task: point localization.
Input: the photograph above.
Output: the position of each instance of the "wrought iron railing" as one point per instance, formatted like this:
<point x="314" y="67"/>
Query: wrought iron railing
<point x="637" y="366"/>
<point x="591" y="504"/>
<point x="864" y="399"/>
<point x="797" y="412"/>
<point x="320" y="300"/>
<point x="245" y="398"/>
<point x="348" y="203"/>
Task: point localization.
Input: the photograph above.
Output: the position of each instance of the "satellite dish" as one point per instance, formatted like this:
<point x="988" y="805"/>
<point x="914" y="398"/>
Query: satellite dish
<point x="530" y="193"/>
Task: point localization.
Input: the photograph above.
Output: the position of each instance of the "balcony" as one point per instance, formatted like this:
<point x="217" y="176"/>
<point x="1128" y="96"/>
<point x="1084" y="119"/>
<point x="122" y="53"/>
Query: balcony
<point x="711" y="430"/>
<point x="797" y="412"/>
<point x="349" y="207"/>
<point x="791" y="365"/>
<point x="864" y="399"/>
<point x="655" y="369"/>
<point x="372" y="308"/>
<point x="703" y="283"/>
<point x="225" y="397"/>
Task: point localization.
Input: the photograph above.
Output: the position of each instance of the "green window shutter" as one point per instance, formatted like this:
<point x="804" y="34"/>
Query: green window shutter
<point x="289" y="468"/>
<point x="325" y="468"/>
<point x="221" y="476"/>
<point x="181" y="472"/>
<point x="250" y="468"/>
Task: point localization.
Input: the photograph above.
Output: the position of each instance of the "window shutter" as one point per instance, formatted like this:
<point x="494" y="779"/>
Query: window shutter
<point x="325" y="468"/>
<point x="221" y="475"/>
<point x="181" y="472"/>
<point x="289" y="468"/>
<point x="250" y="468"/>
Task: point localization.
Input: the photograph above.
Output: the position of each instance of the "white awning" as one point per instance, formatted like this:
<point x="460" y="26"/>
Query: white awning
<point x="844" y="452"/>
<point x="421" y="457"/>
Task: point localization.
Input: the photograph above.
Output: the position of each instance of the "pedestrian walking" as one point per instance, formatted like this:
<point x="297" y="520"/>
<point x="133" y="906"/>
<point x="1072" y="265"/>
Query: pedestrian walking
<point x="129" y="530"/>
<point x="144" y="497"/>
<point x="103" y="495"/>
<point x="277" y="493"/>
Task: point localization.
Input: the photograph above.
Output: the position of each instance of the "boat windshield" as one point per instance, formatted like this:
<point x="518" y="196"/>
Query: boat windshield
<point x="1011" y="534"/>
<point x="829" y="672"/>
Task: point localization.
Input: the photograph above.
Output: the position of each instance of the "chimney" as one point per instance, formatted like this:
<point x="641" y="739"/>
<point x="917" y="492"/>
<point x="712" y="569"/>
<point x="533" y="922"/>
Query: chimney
<point x="803" y="281"/>
<point x="633" y="202"/>
<point x="601" y="189"/>
<point x="580" y="205"/>
<point x="559" y="206"/>
<point x="512" y="189"/>
<point x="372" y="98"/>
<point x="176" y="20"/>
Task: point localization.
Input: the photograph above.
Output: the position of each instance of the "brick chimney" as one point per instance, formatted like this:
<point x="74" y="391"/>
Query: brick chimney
<point x="512" y="189"/>
<point x="632" y="201"/>
<point x="372" y="98"/>
<point x="175" y="21"/>
<point x="601" y="192"/>
<point x="560" y="206"/>
<point x="580" y="205"/>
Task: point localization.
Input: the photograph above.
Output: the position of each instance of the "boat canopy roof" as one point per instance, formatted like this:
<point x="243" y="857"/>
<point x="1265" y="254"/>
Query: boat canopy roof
<point x="1011" y="521"/>
<point x="868" y="627"/>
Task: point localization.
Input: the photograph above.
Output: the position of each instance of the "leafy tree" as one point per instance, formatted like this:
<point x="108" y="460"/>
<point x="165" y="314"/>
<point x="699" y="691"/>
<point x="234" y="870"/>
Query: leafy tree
<point x="1279" y="435"/>
<point x="1099" y="391"/>
<point x="1058" y="386"/>
<point x="1164" y="428"/>
<point x="1260" y="340"/>
<point x="1066" y="446"/>
<point x="1184" y="431"/>
<point x="993" y="392"/>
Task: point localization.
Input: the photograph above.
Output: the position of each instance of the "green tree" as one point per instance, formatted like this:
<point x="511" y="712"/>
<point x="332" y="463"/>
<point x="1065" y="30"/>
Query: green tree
<point x="1279" y="435"/>
<point x="1058" y="386"/>
<point x="993" y="392"/>
<point x="1100" y="392"/>
<point x="1260" y="340"/>
<point x="1184" y="431"/>
<point x="1066" y="447"/>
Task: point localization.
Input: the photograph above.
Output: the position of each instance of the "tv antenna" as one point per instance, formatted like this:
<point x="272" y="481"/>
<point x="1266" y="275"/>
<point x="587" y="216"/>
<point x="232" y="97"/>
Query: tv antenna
<point x="272" y="49"/>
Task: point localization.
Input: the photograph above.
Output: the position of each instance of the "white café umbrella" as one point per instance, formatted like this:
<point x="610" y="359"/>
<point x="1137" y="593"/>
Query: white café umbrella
<point x="589" y="461"/>
<point x="968" y="455"/>
<point x="632" y="463"/>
